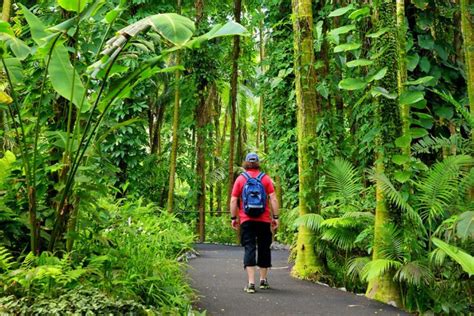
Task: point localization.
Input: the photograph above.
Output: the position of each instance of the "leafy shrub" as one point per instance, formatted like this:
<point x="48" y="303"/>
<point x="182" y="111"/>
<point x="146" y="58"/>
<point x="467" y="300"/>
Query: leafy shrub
<point x="79" y="301"/>
<point x="218" y="230"/>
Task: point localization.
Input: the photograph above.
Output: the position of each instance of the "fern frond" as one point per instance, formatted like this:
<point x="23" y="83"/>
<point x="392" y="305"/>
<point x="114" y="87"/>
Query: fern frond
<point x="378" y="267"/>
<point x="365" y="216"/>
<point x="355" y="266"/>
<point x="310" y="221"/>
<point x="29" y="261"/>
<point x="415" y="273"/>
<point x="440" y="187"/>
<point x="343" y="179"/>
<point x="429" y="144"/>
<point x="6" y="259"/>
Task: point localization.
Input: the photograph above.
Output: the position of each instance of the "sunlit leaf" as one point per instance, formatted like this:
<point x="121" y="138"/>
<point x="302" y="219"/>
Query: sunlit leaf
<point x="352" y="84"/>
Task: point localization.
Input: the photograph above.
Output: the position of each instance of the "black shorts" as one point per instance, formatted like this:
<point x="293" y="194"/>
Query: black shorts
<point x="256" y="238"/>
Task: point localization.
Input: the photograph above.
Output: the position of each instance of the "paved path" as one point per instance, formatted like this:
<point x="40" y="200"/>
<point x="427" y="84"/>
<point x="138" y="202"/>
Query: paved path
<point x="219" y="279"/>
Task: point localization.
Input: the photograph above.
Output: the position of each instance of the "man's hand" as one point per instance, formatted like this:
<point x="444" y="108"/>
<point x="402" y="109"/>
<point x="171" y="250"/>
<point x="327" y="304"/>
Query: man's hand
<point x="275" y="223"/>
<point x="235" y="224"/>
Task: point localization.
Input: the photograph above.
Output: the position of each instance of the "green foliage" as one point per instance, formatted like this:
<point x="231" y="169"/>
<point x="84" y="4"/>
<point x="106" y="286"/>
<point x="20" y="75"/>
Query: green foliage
<point x="219" y="230"/>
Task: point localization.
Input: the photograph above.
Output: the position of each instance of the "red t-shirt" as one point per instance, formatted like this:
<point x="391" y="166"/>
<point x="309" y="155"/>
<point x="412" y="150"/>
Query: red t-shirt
<point x="237" y="192"/>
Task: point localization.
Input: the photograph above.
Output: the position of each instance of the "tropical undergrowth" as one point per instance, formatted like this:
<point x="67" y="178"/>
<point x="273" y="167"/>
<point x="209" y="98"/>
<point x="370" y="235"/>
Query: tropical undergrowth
<point x="125" y="261"/>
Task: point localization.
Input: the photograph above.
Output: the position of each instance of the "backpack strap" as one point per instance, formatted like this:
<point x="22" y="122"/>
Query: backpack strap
<point x="260" y="176"/>
<point x="246" y="175"/>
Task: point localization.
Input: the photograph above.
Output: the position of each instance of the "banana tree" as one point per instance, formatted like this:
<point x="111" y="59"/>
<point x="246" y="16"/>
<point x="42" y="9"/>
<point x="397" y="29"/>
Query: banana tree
<point x="93" y="98"/>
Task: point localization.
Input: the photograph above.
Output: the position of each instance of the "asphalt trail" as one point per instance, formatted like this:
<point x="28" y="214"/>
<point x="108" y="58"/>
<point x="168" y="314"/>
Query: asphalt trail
<point x="218" y="277"/>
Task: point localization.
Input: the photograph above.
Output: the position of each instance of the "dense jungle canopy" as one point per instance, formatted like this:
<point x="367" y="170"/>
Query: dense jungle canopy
<point x="123" y="125"/>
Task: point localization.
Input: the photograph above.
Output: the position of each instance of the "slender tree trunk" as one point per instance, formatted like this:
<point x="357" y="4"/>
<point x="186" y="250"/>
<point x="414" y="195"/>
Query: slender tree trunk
<point x="384" y="288"/>
<point x="402" y="72"/>
<point x="262" y="70"/>
<point x="233" y="101"/>
<point x="174" y="146"/>
<point x="202" y="115"/>
<point x="468" y="39"/>
<point x="307" y="265"/>
<point x="6" y="8"/>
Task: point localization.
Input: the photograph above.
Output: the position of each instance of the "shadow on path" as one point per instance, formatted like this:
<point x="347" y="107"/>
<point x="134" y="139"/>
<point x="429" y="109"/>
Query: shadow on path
<point x="218" y="277"/>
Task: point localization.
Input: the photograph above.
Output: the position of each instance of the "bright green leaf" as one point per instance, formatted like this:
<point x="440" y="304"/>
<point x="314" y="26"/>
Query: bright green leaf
<point x="362" y="12"/>
<point x="359" y="63"/>
<point x="352" y="84"/>
<point x="342" y="30"/>
<point x="412" y="61"/>
<point x="400" y="159"/>
<point x="379" y="91"/>
<point x="423" y="80"/>
<point x="402" y="176"/>
<point x="378" y="33"/>
<point x="418" y="132"/>
<point x="379" y="75"/>
<point x="73" y="5"/>
<point x="341" y="11"/>
<point x="346" y="47"/>
<point x="61" y="74"/>
<point x="464" y="259"/>
<point x="410" y="97"/>
<point x="403" y="141"/>
<point x="175" y="28"/>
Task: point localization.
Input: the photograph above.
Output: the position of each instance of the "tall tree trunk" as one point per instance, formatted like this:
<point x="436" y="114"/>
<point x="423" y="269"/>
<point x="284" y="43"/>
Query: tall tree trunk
<point x="468" y="38"/>
<point x="262" y="70"/>
<point x="402" y="72"/>
<point x="6" y="8"/>
<point x="384" y="288"/>
<point x="233" y="101"/>
<point x="174" y="145"/>
<point x="307" y="265"/>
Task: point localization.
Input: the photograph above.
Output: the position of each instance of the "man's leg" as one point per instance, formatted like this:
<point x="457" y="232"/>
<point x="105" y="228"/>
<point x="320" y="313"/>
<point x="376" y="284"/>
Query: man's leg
<point x="248" y="241"/>
<point x="264" y="241"/>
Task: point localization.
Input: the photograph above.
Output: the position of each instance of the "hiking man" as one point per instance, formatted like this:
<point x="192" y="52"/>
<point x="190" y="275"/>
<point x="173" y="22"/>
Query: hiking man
<point x="252" y="195"/>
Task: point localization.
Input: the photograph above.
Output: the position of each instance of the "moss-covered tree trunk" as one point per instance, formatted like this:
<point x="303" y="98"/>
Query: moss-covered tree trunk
<point x="468" y="39"/>
<point x="402" y="71"/>
<point x="174" y="144"/>
<point x="6" y="8"/>
<point x="384" y="288"/>
<point x="307" y="265"/>
<point x="262" y="70"/>
<point x="233" y="101"/>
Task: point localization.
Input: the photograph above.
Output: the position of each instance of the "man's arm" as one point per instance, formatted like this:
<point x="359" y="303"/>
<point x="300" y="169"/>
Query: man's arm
<point x="274" y="204"/>
<point x="234" y="207"/>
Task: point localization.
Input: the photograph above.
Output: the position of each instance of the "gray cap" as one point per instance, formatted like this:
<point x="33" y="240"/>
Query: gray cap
<point x="251" y="157"/>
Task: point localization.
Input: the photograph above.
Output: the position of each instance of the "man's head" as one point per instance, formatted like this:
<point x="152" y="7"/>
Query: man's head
<point x="251" y="161"/>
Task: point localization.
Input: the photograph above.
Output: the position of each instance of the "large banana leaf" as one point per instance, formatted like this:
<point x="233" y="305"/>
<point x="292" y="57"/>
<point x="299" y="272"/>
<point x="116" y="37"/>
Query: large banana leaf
<point x="219" y="30"/>
<point x="14" y="69"/>
<point x="175" y="28"/>
<point x="464" y="259"/>
<point x="64" y="78"/>
<point x="18" y="47"/>
<point x="73" y="5"/>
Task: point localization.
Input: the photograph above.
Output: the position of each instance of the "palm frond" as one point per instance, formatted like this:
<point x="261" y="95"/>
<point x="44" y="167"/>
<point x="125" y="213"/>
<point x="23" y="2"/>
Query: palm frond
<point x="365" y="216"/>
<point x="396" y="198"/>
<point x="391" y="245"/>
<point x="448" y="97"/>
<point x="415" y="273"/>
<point x="440" y="186"/>
<point x="342" y="238"/>
<point x="378" y="267"/>
<point x="437" y="257"/>
<point x="340" y="222"/>
<point x="355" y="267"/>
<point x="310" y="221"/>
<point x="343" y="179"/>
